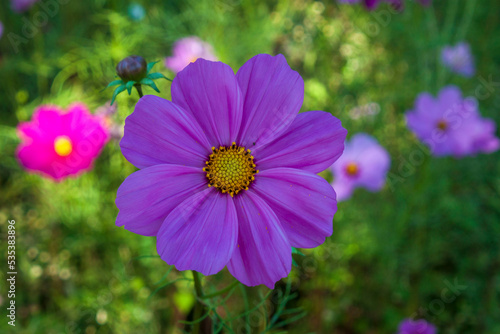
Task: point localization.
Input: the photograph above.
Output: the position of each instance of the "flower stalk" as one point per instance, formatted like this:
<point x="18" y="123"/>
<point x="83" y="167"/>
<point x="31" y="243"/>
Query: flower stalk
<point x="198" y="308"/>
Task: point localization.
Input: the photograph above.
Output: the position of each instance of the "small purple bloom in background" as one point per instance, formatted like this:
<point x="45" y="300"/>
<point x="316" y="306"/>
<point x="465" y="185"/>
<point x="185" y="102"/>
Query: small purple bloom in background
<point x="1" y="29"/>
<point x="373" y="4"/>
<point x="410" y="326"/>
<point x="459" y="59"/>
<point x="20" y="6"/>
<point x="365" y="164"/>
<point x="186" y="51"/>
<point x="452" y="125"/>
<point x="228" y="170"/>
<point x="106" y="112"/>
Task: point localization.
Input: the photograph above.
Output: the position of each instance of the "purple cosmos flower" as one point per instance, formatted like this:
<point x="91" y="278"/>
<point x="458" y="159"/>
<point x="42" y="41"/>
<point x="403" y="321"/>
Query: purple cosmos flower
<point x="228" y="170"/>
<point x="20" y="6"/>
<point x="410" y="326"/>
<point x="451" y="125"/>
<point x="186" y="51"/>
<point x="459" y="59"/>
<point x="364" y="164"/>
<point x="373" y="4"/>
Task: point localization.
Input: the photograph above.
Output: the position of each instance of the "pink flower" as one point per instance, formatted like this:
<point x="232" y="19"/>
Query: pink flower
<point x="186" y="51"/>
<point x="58" y="144"/>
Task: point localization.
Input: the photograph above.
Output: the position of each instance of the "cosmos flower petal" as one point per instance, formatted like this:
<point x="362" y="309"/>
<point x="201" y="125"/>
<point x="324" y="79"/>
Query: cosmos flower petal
<point x="313" y="142"/>
<point x="371" y="4"/>
<point x="161" y="132"/>
<point x="486" y="141"/>
<point x="147" y="196"/>
<point x="273" y="96"/>
<point x="263" y="254"/>
<point x="48" y="118"/>
<point x="343" y="189"/>
<point x="89" y="137"/>
<point x="448" y="96"/>
<point x="201" y="233"/>
<point x="210" y="92"/>
<point x="304" y="203"/>
<point x="38" y="156"/>
<point x="31" y="131"/>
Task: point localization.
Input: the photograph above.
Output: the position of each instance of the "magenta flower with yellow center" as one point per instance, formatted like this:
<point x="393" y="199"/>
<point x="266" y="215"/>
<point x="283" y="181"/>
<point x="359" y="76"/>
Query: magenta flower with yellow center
<point x="228" y="170"/>
<point x="58" y="144"/>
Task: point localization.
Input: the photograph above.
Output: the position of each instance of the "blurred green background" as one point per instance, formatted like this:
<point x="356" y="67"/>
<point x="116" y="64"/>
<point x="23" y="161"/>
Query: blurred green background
<point x="393" y="254"/>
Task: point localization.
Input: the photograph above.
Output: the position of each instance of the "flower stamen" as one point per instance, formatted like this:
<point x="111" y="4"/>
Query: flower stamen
<point x="352" y="169"/>
<point x="230" y="169"/>
<point x="442" y="125"/>
<point x="63" y="146"/>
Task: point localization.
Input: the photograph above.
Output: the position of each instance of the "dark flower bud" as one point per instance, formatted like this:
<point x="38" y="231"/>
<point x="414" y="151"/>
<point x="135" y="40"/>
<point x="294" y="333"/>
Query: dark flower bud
<point x="133" y="68"/>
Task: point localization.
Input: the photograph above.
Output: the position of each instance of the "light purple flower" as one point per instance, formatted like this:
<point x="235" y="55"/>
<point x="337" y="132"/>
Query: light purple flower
<point x="20" y="6"/>
<point x="1" y="29"/>
<point x="106" y="112"/>
<point x="410" y="326"/>
<point x="186" y="51"/>
<point x="365" y="164"/>
<point x="459" y="59"/>
<point x="228" y="170"/>
<point x="452" y="125"/>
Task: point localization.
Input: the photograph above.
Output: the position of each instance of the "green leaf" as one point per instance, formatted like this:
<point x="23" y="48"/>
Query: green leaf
<point x="296" y="251"/>
<point x="157" y="75"/>
<point x="117" y="91"/>
<point x="129" y="86"/>
<point x="114" y="83"/>
<point x="150" y="65"/>
<point x="150" y="83"/>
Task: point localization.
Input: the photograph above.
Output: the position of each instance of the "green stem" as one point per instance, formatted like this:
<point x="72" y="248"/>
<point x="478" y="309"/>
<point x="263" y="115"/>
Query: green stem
<point x="198" y="308"/>
<point x="139" y="90"/>
<point x="466" y="21"/>
<point x="222" y="291"/>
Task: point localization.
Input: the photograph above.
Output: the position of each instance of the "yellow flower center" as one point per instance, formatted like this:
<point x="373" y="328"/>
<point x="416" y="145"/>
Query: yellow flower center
<point x="442" y="125"/>
<point x="193" y="59"/>
<point x="352" y="169"/>
<point x="63" y="146"/>
<point x="230" y="169"/>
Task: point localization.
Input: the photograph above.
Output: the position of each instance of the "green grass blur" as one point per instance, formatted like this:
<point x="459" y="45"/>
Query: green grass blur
<point x="393" y="254"/>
